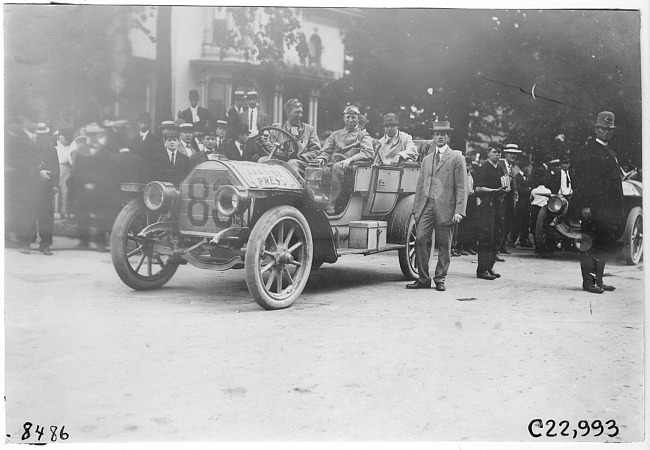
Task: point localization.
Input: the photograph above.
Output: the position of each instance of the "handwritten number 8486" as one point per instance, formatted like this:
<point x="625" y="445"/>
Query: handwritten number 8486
<point x="27" y="426"/>
<point x="536" y="426"/>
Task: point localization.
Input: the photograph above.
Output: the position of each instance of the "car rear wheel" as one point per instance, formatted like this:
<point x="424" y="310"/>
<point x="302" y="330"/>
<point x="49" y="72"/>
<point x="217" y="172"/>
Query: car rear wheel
<point x="402" y="231"/>
<point x="633" y="239"/>
<point x="279" y="257"/>
<point x="141" y="263"/>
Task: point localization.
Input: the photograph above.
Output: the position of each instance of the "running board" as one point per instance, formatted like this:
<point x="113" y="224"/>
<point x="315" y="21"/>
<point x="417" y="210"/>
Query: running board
<point x="361" y="251"/>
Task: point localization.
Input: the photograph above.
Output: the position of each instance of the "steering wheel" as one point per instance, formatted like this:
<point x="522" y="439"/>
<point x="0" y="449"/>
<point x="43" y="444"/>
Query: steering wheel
<point x="280" y="150"/>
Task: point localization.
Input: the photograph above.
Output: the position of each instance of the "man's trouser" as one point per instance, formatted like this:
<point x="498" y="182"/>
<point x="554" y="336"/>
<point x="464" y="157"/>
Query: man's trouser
<point x="427" y="223"/>
<point x="489" y="235"/>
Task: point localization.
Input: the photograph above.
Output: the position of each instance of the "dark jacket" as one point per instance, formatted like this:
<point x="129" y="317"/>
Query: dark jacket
<point x="597" y="185"/>
<point x="205" y="116"/>
<point x="144" y="149"/>
<point x="231" y="152"/>
<point x="161" y="169"/>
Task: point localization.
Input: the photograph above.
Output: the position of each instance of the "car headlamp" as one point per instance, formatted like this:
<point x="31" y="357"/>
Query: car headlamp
<point x="229" y="200"/>
<point x="557" y="205"/>
<point x="159" y="195"/>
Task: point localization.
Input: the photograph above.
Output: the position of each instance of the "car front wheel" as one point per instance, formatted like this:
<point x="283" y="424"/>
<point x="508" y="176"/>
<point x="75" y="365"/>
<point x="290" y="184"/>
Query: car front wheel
<point x="279" y="257"/>
<point x="633" y="239"/>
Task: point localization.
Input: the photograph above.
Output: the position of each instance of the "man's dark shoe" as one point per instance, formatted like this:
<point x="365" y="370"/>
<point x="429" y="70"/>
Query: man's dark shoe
<point x="499" y="259"/>
<point x="591" y="287"/>
<point x="45" y="250"/>
<point x="485" y="275"/>
<point x="471" y="251"/>
<point x="454" y="253"/>
<point x="417" y="284"/>
<point x="605" y="287"/>
<point x="440" y="286"/>
<point x="504" y="251"/>
<point x="527" y="245"/>
<point x="493" y="273"/>
<point x="463" y="252"/>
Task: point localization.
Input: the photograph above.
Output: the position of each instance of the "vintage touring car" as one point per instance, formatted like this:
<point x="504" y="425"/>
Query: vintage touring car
<point x="264" y="218"/>
<point x="555" y="225"/>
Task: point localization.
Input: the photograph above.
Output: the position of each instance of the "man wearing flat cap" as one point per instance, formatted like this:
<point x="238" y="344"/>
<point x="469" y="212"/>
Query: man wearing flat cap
<point x="342" y="151"/>
<point x="170" y="165"/>
<point x="195" y="114"/>
<point x="303" y="133"/>
<point x="598" y="199"/>
<point x="440" y="202"/>
<point x="394" y="146"/>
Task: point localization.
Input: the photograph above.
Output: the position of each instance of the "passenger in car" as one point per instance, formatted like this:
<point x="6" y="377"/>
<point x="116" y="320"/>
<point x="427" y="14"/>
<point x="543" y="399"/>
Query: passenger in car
<point x="342" y="152"/>
<point x="395" y="146"/>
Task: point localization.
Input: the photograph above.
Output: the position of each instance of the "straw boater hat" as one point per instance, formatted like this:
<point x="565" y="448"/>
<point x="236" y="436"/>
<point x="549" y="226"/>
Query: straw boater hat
<point x="186" y="127"/>
<point x="42" y="128"/>
<point x="240" y="94"/>
<point x="221" y="123"/>
<point x="251" y="94"/>
<point x="442" y="125"/>
<point x="512" y="148"/>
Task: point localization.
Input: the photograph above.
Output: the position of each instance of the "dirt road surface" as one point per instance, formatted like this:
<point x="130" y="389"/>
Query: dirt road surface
<point x="357" y="358"/>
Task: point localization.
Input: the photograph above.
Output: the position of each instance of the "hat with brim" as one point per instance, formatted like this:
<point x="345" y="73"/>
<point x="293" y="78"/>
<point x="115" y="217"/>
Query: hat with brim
<point x="554" y="161"/>
<point x="251" y="94"/>
<point x="42" y="128"/>
<point x="442" y="125"/>
<point x="565" y="159"/>
<point x="511" y="148"/>
<point x="240" y="94"/>
<point x="170" y="133"/>
<point x="605" y="119"/>
<point x="93" y="128"/>
<point x="209" y="131"/>
<point x="390" y="120"/>
<point x="222" y="124"/>
<point x="186" y="127"/>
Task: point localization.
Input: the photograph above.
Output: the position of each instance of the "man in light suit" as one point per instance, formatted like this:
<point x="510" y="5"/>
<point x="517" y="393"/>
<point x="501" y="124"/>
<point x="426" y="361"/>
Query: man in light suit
<point x="394" y="146"/>
<point x="440" y="202"/>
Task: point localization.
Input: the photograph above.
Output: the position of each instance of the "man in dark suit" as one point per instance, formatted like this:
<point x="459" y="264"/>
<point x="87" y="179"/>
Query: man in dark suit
<point x="195" y="114"/>
<point x="171" y="165"/>
<point x="209" y="148"/>
<point x="254" y="118"/>
<point x="510" y="198"/>
<point x="552" y="178"/>
<point x="440" y="202"/>
<point x="47" y="187"/>
<point x="144" y="143"/>
<point x="234" y="115"/>
<point x="238" y="149"/>
<point x="598" y="197"/>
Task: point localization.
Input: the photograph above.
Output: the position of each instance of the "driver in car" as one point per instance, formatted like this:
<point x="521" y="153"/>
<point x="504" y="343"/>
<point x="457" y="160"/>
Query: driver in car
<point x="304" y="134"/>
<point x="342" y="151"/>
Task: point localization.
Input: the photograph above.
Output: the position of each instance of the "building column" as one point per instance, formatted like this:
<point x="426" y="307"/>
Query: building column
<point x="313" y="107"/>
<point x="278" y="101"/>
<point x="203" y="89"/>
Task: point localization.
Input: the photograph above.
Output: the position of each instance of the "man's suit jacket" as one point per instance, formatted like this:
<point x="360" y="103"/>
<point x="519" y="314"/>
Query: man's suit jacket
<point x="449" y="185"/>
<point x="511" y="196"/>
<point x="553" y="179"/>
<point x="144" y="149"/>
<point x="234" y="121"/>
<point x="161" y="168"/>
<point x="231" y="152"/>
<point x="185" y="150"/>
<point x="205" y="116"/>
<point x="262" y="118"/>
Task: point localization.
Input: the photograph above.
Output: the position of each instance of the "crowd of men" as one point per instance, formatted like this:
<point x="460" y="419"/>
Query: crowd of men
<point x="474" y="206"/>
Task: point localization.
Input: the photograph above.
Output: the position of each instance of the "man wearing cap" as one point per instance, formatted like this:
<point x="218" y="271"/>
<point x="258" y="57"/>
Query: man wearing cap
<point x="234" y="115"/>
<point x="303" y="133"/>
<point x="489" y="191"/>
<point x="552" y="177"/>
<point x="238" y="149"/>
<point x="394" y="146"/>
<point x="195" y="114"/>
<point x="511" y="197"/>
<point x="186" y="135"/>
<point x="598" y="199"/>
<point x="254" y="118"/>
<point x="342" y="151"/>
<point x="170" y="165"/>
<point x="440" y="202"/>
<point x="221" y="129"/>
<point x="209" y="147"/>
<point x="94" y="179"/>
<point x="144" y="144"/>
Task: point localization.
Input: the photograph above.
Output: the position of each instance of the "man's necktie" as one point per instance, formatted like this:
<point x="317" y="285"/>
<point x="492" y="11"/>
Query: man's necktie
<point x="568" y="179"/>
<point x="437" y="158"/>
<point x="250" y="121"/>
<point x="173" y="160"/>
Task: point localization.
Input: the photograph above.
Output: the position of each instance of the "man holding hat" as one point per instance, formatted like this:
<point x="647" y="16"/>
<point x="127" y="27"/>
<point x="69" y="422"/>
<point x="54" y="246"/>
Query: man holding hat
<point x="510" y="198"/>
<point x="342" y="151"/>
<point x="303" y="133"/>
<point x="598" y="197"/>
<point x="195" y="114"/>
<point x="235" y="114"/>
<point x="394" y="146"/>
<point x="255" y="119"/>
<point x="440" y="202"/>
<point x="170" y="165"/>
